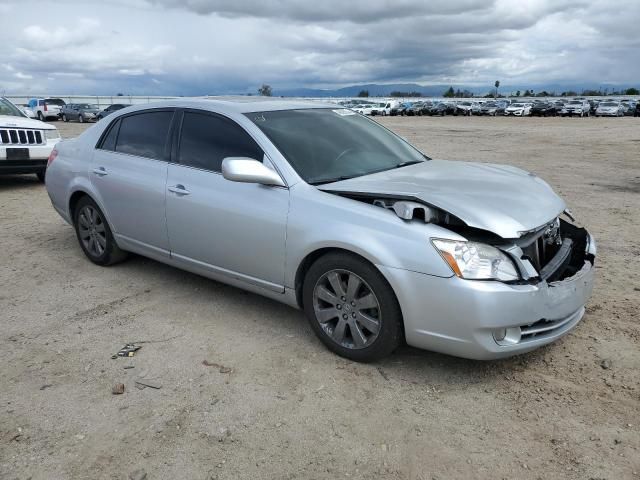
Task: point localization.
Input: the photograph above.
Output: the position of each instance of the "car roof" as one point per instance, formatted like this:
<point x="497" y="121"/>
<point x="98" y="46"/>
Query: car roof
<point x="239" y="104"/>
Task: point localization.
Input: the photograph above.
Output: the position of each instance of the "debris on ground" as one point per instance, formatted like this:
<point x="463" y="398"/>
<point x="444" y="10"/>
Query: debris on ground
<point x="221" y="368"/>
<point x="138" y="475"/>
<point x="605" y="364"/>
<point x="45" y="386"/>
<point x="129" y="350"/>
<point x="148" y="383"/>
<point x="127" y="367"/>
<point x="118" y="389"/>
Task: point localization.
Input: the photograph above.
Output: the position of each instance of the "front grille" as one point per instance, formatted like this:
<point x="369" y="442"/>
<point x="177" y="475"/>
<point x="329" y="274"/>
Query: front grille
<point x="21" y="136"/>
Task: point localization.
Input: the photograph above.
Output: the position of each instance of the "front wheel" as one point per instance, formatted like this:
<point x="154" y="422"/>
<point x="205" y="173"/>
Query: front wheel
<point x="352" y="308"/>
<point x="64" y="118"/>
<point x="94" y="234"/>
<point x="80" y="118"/>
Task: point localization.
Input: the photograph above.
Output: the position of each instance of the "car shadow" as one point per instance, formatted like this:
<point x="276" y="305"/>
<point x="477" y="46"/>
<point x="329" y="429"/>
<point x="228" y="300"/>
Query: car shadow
<point x="406" y="364"/>
<point x="13" y="182"/>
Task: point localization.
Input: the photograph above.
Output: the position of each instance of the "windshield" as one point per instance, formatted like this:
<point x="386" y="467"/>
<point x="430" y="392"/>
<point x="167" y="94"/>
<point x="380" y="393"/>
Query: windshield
<point x="8" y="108"/>
<point x="608" y="104"/>
<point x="325" y="145"/>
<point x="86" y="106"/>
<point x="575" y="102"/>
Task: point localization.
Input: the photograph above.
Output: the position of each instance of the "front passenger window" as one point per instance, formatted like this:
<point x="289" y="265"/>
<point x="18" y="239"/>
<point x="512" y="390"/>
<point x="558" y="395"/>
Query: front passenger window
<point x="208" y="139"/>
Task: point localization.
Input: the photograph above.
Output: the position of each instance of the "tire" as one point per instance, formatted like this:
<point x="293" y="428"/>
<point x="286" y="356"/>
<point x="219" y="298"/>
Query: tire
<point x="41" y="175"/>
<point x="64" y="118"/>
<point x="41" y="116"/>
<point x="318" y="294"/>
<point x="80" y="119"/>
<point x="94" y="234"/>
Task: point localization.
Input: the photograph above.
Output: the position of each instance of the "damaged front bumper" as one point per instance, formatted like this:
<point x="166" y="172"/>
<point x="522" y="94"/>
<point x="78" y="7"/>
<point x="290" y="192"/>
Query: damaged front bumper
<point x="489" y="319"/>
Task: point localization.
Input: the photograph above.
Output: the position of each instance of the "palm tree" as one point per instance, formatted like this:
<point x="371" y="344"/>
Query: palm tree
<point x="497" y="84"/>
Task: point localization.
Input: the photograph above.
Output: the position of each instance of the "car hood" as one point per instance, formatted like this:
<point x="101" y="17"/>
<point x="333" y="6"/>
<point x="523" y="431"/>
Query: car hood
<point x="501" y="199"/>
<point x="23" y="122"/>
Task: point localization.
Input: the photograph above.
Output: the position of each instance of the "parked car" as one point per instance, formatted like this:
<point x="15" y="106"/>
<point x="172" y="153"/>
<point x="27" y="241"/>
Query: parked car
<point x="25" y="143"/>
<point x="82" y="112"/>
<point x="629" y="107"/>
<point x="518" y="109"/>
<point x="493" y="108"/>
<point x="417" y="109"/>
<point x="442" y="109"/>
<point x="636" y="112"/>
<point x="610" y="109"/>
<point x="379" y="109"/>
<point x="402" y="109"/>
<point x="580" y="108"/>
<point x="27" y="111"/>
<point x="330" y="212"/>
<point x="366" y="108"/>
<point x="463" y="108"/>
<point x="45" y="108"/>
<point x="110" y="109"/>
<point x="543" y="109"/>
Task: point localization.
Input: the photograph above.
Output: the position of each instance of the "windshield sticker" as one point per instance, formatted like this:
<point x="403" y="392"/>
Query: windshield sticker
<point x="343" y="112"/>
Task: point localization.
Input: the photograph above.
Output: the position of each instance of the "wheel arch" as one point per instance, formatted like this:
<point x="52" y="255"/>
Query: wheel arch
<point x="311" y="257"/>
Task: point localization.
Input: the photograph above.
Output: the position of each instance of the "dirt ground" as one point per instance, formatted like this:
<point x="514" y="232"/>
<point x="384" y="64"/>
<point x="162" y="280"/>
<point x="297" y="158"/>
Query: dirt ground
<point x="278" y="405"/>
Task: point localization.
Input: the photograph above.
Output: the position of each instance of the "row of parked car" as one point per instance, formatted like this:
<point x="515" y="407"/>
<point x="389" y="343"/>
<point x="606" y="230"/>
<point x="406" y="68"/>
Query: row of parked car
<point x="580" y="107"/>
<point x="56" y="108"/>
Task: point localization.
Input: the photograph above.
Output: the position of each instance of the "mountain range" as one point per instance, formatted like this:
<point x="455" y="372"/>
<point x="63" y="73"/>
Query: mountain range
<point x="383" y="90"/>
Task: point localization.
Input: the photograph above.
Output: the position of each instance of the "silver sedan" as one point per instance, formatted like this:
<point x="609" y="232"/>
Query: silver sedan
<point x="323" y="209"/>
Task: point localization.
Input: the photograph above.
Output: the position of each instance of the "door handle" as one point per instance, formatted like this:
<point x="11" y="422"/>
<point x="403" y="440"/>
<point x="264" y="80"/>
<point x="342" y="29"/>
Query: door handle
<point x="179" y="190"/>
<point x="100" y="171"/>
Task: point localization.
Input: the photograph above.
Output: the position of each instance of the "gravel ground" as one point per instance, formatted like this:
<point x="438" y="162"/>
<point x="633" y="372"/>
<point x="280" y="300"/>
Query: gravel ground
<point x="276" y="404"/>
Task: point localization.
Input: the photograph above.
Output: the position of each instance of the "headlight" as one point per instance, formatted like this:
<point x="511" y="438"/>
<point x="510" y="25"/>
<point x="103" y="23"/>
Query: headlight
<point x="52" y="134"/>
<point x="476" y="261"/>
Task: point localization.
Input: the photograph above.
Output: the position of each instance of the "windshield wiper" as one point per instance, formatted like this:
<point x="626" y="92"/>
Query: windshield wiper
<point x="347" y="177"/>
<point x="410" y="162"/>
<point x="331" y="180"/>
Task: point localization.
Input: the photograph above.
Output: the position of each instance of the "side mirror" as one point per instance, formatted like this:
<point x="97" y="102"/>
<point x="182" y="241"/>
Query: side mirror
<point x="248" y="170"/>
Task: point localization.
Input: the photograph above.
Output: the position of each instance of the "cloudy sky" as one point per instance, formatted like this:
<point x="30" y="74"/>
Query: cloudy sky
<point x="196" y="47"/>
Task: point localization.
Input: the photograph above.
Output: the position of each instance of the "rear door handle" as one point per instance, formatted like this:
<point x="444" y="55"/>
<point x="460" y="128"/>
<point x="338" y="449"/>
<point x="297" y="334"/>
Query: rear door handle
<point x="179" y="190"/>
<point x="100" y="171"/>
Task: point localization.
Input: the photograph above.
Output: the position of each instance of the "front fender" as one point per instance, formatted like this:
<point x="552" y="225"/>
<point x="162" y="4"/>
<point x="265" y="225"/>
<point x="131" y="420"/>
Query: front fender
<point x="319" y="220"/>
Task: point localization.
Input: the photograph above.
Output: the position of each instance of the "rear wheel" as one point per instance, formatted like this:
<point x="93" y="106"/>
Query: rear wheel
<point x="41" y="117"/>
<point x="94" y="234"/>
<point x="352" y="308"/>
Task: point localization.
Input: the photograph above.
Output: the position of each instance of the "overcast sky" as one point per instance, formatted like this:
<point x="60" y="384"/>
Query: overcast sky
<point x="196" y="47"/>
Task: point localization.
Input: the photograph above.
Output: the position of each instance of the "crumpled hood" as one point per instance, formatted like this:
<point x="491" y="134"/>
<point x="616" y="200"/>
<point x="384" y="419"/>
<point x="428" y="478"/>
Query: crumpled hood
<point x="11" y="121"/>
<point x="501" y="199"/>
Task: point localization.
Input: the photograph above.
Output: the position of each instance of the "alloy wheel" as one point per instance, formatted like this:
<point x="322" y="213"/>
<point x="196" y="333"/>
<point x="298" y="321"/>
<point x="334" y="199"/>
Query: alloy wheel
<point x="347" y="309"/>
<point x="91" y="230"/>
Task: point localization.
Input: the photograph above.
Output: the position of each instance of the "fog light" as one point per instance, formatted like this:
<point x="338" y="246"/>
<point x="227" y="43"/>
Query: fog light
<point x="507" y="336"/>
<point x="498" y="335"/>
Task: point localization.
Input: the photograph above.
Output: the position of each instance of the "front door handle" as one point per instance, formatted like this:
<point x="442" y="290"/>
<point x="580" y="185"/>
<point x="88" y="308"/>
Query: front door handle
<point x="179" y="190"/>
<point x="100" y="171"/>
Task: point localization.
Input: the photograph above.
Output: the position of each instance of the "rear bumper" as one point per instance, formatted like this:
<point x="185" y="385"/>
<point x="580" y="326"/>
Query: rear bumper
<point x="459" y="317"/>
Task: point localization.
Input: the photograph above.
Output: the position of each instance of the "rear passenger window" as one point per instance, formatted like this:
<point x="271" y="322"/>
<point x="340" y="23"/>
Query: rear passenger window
<point x="206" y="140"/>
<point x="144" y="134"/>
<point x="109" y="141"/>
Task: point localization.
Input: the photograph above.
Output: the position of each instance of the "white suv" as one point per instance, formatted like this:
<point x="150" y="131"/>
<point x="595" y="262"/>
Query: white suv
<point x="25" y="144"/>
<point x="44" y="108"/>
